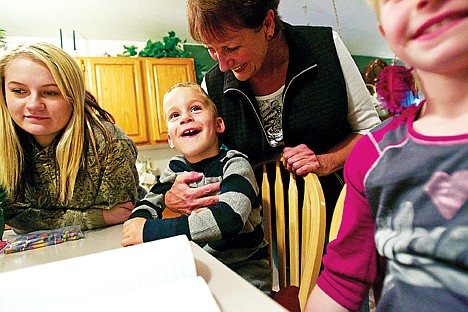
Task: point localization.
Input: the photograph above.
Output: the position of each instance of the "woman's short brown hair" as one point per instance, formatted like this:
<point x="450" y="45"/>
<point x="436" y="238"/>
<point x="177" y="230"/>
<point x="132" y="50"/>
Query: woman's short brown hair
<point x="374" y="4"/>
<point x="210" y="20"/>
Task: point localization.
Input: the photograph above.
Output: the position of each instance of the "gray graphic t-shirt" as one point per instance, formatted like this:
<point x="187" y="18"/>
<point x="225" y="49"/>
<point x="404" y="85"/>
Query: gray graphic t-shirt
<point x="271" y="112"/>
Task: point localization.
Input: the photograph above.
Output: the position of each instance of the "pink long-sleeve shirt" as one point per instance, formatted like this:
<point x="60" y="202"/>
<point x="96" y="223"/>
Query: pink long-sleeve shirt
<point x="405" y="209"/>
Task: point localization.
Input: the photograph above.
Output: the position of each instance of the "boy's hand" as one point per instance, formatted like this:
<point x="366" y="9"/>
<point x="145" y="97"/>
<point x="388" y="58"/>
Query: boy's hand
<point x="183" y="199"/>
<point x="132" y="232"/>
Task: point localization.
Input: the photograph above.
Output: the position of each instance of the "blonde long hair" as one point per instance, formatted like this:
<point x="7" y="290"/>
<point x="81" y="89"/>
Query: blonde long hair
<point x="374" y="4"/>
<point x="71" y="145"/>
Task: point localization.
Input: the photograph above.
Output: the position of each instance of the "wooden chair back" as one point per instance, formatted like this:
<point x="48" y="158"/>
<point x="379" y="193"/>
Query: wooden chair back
<point x="337" y="215"/>
<point x="333" y="233"/>
<point x="299" y="233"/>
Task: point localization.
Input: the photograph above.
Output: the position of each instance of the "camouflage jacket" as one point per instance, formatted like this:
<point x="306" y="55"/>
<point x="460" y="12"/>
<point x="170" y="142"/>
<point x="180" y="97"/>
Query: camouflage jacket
<point x="113" y="180"/>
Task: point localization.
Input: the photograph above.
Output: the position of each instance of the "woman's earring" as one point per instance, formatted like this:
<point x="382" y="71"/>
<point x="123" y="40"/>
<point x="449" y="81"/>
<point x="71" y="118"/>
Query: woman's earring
<point x="269" y="37"/>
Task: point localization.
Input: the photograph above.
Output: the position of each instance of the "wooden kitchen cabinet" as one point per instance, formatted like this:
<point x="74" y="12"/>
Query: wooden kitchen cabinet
<point x="132" y="90"/>
<point x="160" y="75"/>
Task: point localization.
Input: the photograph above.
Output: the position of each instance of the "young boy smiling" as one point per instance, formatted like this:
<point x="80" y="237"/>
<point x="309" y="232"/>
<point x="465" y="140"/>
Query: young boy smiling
<point x="230" y="230"/>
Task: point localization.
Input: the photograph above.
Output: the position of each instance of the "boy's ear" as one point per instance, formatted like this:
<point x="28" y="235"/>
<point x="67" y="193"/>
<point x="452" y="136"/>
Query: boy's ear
<point x="169" y="140"/>
<point x="220" y="127"/>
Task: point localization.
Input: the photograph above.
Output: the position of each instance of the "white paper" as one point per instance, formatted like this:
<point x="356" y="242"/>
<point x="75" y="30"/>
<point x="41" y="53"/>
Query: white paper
<point x="159" y="275"/>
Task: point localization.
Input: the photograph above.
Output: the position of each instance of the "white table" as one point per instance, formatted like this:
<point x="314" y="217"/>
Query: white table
<point x="231" y="291"/>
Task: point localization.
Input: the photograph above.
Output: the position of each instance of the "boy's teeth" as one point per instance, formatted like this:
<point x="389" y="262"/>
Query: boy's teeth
<point x="188" y="132"/>
<point x="435" y="26"/>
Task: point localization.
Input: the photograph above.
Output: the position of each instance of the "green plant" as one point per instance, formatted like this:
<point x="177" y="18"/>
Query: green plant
<point x="2" y="220"/>
<point x="170" y="46"/>
<point x="2" y="38"/>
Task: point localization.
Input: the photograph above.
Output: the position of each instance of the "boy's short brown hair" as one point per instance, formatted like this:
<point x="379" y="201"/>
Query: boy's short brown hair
<point x="374" y="4"/>
<point x="206" y="99"/>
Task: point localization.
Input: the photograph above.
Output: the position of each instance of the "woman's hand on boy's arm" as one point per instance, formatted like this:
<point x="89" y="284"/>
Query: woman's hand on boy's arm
<point x="183" y="199"/>
<point x="132" y="232"/>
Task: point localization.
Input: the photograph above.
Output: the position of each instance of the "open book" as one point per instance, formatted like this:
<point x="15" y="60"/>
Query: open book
<point x="154" y="276"/>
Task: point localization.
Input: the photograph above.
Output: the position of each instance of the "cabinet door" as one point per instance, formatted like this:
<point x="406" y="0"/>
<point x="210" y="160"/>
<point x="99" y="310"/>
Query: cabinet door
<point x="117" y="82"/>
<point x="161" y="74"/>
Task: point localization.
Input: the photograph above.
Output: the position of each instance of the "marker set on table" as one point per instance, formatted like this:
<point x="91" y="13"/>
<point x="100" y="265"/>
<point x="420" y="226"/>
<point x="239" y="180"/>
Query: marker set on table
<point x="40" y="239"/>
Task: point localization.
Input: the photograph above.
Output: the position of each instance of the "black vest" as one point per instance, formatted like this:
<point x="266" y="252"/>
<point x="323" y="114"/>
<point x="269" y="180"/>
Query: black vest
<point x="315" y="105"/>
<point x="315" y="99"/>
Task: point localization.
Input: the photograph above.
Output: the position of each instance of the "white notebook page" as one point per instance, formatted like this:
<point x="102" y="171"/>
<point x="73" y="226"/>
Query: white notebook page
<point x="104" y="277"/>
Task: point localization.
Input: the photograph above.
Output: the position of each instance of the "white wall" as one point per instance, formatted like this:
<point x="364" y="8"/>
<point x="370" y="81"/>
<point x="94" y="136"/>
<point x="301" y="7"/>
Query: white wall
<point x="84" y="47"/>
<point x="118" y="22"/>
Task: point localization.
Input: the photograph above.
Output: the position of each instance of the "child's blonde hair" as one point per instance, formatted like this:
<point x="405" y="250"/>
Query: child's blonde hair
<point x="195" y="86"/>
<point x="374" y="4"/>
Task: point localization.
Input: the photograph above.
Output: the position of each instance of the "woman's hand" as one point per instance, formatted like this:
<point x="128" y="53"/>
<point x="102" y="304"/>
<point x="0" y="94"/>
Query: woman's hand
<point x="301" y="160"/>
<point x="183" y="199"/>
<point x="118" y="214"/>
<point x="132" y="232"/>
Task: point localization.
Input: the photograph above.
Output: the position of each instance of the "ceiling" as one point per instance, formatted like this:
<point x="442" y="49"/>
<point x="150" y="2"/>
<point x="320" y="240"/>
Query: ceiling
<point x="140" y="20"/>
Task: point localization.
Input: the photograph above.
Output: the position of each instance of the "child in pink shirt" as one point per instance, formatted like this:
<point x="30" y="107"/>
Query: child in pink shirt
<point x="407" y="181"/>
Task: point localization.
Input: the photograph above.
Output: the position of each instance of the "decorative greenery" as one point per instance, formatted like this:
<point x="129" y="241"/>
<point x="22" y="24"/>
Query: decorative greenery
<point x="2" y="224"/>
<point x="2" y="38"/>
<point x="2" y="221"/>
<point x="170" y="46"/>
<point x="2" y="194"/>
